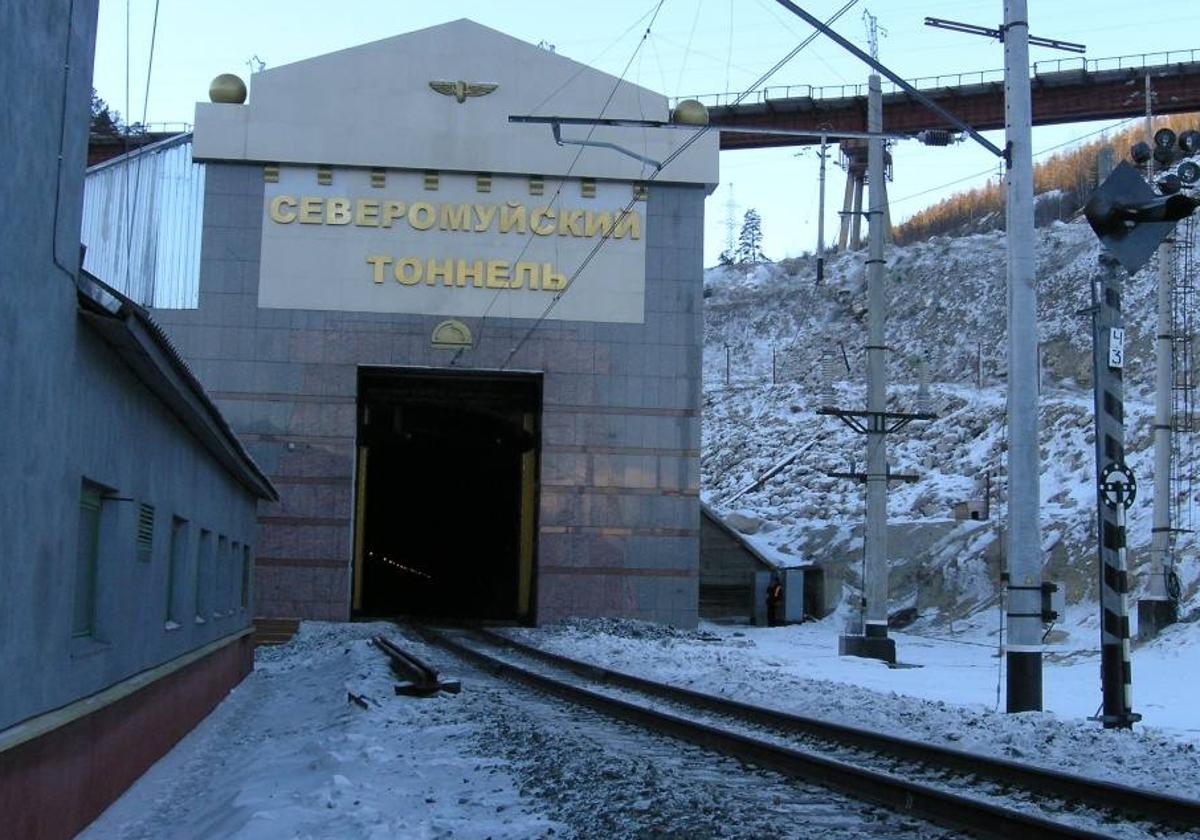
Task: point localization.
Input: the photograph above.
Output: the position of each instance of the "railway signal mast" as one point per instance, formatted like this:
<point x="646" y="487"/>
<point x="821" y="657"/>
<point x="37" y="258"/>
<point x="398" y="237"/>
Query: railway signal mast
<point x="1131" y="222"/>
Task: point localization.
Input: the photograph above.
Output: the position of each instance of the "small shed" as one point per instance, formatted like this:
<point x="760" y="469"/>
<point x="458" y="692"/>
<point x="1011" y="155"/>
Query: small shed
<point x="734" y="574"/>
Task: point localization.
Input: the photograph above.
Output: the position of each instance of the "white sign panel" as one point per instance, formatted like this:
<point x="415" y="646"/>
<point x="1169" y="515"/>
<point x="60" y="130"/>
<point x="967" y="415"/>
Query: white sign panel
<point x="1116" y="348"/>
<point x="471" y="247"/>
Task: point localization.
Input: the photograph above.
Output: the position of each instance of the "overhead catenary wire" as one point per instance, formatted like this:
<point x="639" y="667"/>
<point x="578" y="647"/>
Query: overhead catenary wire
<point x="571" y="168"/>
<point x="137" y="179"/>
<point x="683" y="147"/>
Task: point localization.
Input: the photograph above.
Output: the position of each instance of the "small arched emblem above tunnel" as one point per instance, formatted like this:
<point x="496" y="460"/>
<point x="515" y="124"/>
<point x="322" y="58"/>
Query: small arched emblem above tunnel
<point x="452" y="333"/>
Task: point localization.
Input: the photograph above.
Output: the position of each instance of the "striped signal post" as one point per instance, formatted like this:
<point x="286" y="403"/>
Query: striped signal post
<point x="1116" y="490"/>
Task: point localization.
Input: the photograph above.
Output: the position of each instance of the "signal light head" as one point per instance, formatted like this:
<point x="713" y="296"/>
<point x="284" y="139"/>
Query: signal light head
<point x="1140" y="152"/>
<point x="1189" y="173"/>
<point x="1189" y="142"/>
<point x="1164" y="138"/>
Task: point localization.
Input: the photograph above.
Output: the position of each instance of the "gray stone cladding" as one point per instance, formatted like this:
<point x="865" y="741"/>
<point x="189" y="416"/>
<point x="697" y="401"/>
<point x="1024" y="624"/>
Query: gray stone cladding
<point x="618" y="520"/>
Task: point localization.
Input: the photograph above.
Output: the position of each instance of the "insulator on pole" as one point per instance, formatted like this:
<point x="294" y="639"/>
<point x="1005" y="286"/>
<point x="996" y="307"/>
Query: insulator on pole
<point x="924" y="399"/>
<point x="828" y="374"/>
<point x="937" y="137"/>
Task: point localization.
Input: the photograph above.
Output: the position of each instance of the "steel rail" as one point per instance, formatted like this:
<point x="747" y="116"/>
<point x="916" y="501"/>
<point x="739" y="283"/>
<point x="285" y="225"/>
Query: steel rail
<point x="952" y="810"/>
<point x="1094" y="793"/>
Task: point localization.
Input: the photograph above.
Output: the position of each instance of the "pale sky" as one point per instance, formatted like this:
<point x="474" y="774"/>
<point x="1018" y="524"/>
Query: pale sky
<point x="694" y="47"/>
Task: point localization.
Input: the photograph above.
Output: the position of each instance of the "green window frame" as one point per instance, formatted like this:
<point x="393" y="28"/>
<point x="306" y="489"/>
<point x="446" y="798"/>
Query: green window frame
<point x="87" y="551"/>
<point x="175" y="568"/>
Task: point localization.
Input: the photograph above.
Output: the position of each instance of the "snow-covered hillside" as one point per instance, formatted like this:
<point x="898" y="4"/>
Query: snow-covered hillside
<point x="948" y="313"/>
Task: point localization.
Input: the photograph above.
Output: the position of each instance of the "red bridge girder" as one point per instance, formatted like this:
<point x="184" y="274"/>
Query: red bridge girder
<point x="1062" y="97"/>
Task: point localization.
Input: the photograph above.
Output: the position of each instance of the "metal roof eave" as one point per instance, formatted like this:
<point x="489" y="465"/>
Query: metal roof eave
<point x="147" y="351"/>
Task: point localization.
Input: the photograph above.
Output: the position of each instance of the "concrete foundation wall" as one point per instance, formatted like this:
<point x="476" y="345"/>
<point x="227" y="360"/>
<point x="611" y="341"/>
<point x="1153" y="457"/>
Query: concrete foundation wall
<point x="619" y="507"/>
<point x="51" y="787"/>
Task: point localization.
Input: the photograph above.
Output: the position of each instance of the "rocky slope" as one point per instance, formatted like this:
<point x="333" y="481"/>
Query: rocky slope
<point x="947" y="317"/>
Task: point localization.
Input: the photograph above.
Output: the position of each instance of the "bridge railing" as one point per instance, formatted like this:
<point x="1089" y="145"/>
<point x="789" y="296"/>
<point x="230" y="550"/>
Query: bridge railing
<point x="949" y="80"/>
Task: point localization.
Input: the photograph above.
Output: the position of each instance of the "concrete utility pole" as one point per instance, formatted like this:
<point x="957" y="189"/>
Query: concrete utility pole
<point x="821" y="215"/>
<point x="1157" y="609"/>
<point x="875" y="586"/>
<point x="1024" y="643"/>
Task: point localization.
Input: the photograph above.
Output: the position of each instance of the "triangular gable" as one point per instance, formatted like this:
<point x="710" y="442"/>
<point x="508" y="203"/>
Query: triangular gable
<point x="373" y="105"/>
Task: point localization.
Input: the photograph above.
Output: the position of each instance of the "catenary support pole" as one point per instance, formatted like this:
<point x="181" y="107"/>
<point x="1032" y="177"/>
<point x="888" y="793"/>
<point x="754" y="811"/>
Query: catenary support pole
<point x="1155" y="610"/>
<point x="875" y="586"/>
<point x="1115" y="491"/>
<point x="1024" y="642"/>
<point x="821" y="215"/>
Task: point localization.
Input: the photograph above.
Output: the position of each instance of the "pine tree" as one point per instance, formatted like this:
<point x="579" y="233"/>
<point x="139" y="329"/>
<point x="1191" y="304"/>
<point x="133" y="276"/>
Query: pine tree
<point x="749" y="247"/>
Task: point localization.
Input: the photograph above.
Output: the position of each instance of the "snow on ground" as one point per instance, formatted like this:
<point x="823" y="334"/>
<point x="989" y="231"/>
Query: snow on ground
<point x="950" y="697"/>
<point x="287" y="755"/>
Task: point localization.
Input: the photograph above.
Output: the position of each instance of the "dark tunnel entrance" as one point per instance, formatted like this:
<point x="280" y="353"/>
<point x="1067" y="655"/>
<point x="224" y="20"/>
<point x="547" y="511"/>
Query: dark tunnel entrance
<point x="446" y="494"/>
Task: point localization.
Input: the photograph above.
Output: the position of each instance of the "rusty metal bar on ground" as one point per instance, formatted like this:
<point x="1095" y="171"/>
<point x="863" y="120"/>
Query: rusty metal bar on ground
<point x="421" y="680"/>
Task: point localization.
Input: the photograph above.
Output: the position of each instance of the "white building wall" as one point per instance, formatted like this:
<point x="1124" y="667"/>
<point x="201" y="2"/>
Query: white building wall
<point x="142" y="216"/>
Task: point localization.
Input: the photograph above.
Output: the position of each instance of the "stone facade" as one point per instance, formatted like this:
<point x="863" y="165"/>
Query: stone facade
<point x="618" y="517"/>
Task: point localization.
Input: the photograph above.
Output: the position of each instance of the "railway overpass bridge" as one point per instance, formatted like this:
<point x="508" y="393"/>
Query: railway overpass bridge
<point x="1065" y="90"/>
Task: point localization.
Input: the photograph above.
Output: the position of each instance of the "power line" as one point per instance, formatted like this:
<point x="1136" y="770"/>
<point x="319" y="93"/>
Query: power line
<point x="1038" y="153"/>
<point x="683" y="147"/>
<point x="137" y="180"/>
<point x="575" y="160"/>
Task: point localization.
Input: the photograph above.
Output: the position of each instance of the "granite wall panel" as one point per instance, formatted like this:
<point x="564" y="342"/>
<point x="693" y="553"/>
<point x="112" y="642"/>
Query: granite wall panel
<point x="620" y="427"/>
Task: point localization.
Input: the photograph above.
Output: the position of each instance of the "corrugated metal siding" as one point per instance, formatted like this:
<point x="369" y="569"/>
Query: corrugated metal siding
<point x="142" y="216"/>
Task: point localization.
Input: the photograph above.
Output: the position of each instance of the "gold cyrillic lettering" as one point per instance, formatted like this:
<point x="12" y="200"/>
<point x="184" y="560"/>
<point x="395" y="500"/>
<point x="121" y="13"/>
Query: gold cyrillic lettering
<point x="523" y="270"/>
<point x="551" y="281"/>
<point x="628" y="223"/>
<point x="310" y="211"/>
<point x="546" y="215"/>
<point x="392" y="210"/>
<point x="600" y="223"/>
<point x="570" y="222"/>
<point x="367" y="213"/>
<point x="475" y="272"/>
<point x="378" y="261"/>
<point x="279" y="214"/>
<point x="445" y="270"/>
<point x="337" y="211"/>
<point x="422" y="215"/>
<point x="512" y="217"/>
<point x="455" y="217"/>
<point x="408" y="271"/>
<point x="485" y="214"/>
<point x="497" y="274"/>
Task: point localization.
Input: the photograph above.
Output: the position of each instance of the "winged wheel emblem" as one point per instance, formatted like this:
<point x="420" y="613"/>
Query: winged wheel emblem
<point x="461" y="90"/>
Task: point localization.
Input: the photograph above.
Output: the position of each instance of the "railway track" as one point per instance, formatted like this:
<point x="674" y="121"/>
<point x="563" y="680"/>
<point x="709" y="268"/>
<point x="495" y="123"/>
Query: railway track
<point x="981" y="795"/>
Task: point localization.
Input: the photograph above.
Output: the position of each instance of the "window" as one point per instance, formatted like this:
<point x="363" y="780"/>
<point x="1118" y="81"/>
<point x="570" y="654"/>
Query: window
<point x="203" y="573"/>
<point x="175" y="569"/>
<point x="245" y="576"/>
<point x="145" y="532"/>
<point x="83" y="621"/>
<point x="222" y="572"/>
<point x="235" y="554"/>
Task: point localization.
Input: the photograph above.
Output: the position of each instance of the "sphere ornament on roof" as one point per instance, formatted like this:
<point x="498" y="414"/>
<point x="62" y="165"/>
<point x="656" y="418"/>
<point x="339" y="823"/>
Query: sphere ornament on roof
<point x="690" y="112"/>
<point x="227" y="89"/>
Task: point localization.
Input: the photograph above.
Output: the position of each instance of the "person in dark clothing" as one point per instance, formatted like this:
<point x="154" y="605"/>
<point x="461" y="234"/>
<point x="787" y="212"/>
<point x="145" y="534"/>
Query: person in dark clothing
<point x="774" y="602"/>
